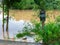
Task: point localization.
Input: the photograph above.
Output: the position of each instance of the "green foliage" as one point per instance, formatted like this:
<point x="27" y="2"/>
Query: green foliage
<point x="41" y="3"/>
<point x="25" y="4"/>
<point x="10" y="2"/>
<point x="58" y="18"/>
<point x="32" y="4"/>
<point x="4" y="20"/>
<point x="50" y="34"/>
<point x="48" y="4"/>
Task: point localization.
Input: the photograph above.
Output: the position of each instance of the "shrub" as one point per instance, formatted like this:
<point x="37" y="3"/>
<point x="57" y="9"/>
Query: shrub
<point x="58" y="18"/>
<point x="50" y="34"/>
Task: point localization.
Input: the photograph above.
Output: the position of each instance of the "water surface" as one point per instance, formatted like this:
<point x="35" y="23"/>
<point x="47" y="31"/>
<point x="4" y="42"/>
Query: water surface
<point x="14" y="26"/>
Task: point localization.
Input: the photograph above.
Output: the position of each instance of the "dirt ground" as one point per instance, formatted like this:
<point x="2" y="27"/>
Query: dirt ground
<point x="31" y="15"/>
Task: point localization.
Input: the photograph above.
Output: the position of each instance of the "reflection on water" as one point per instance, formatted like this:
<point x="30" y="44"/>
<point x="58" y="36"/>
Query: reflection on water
<point x="0" y="28"/>
<point x="14" y="26"/>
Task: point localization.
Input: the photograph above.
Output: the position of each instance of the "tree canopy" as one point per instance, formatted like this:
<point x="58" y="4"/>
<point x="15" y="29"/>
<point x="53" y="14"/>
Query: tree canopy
<point x="33" y="4"/>
<point x="10" y="2"/>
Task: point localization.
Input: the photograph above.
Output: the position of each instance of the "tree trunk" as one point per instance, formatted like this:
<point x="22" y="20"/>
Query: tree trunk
<point x="3" y="19"/>
<point x="42" y="18"/>
<point x="7" y="32"/>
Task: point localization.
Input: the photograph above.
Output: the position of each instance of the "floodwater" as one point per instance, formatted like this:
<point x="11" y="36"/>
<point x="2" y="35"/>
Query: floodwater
<point x="14" y="27"/>
<point x="18" y="19"/>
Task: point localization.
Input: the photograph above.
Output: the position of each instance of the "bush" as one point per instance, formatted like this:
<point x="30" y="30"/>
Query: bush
<point x="50" y="34"/>
<point x="58" y="18"/>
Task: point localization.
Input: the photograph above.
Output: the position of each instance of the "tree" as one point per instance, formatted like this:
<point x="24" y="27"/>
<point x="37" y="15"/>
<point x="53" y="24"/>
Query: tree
<point x="27" y="4"/>
<point x="43" y="4"/>
<point x="8" y="4"/>
<point x="3" y="19"/>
